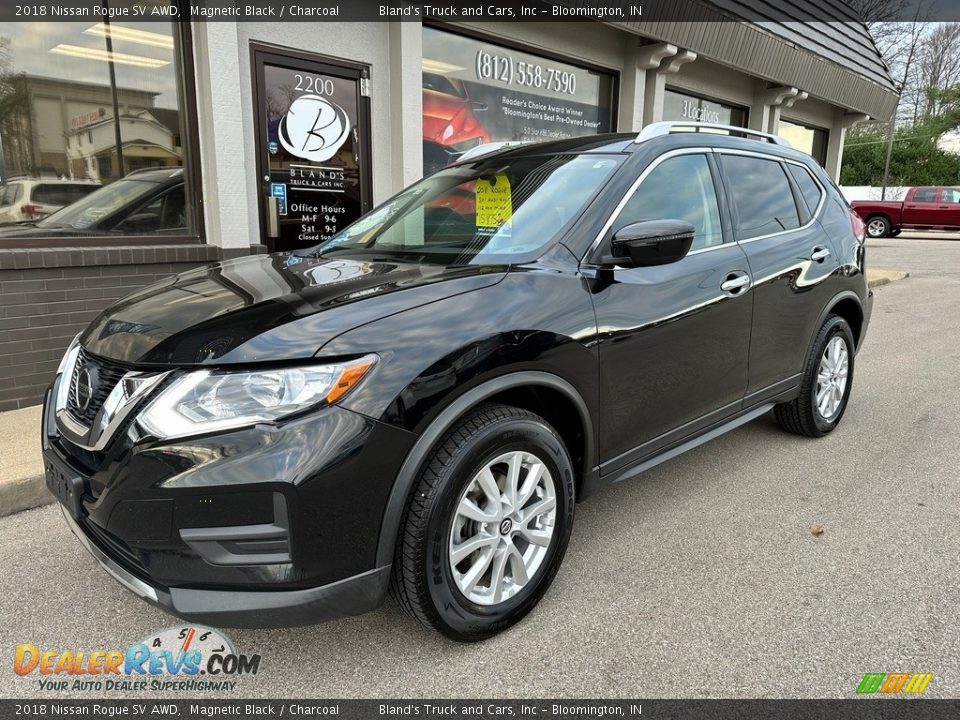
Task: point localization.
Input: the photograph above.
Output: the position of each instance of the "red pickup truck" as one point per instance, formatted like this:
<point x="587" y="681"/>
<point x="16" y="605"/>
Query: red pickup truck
<point x="925" y="208"/>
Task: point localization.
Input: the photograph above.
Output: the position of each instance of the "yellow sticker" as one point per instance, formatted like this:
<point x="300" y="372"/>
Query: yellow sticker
<point x="494" y="204"/>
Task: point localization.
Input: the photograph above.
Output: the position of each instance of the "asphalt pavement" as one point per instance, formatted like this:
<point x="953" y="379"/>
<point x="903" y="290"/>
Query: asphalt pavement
<point x="700" y="578"/>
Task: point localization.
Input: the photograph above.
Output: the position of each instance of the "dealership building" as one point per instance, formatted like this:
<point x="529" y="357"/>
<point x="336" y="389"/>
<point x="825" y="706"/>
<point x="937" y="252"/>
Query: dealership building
<point x="248" y="137"/>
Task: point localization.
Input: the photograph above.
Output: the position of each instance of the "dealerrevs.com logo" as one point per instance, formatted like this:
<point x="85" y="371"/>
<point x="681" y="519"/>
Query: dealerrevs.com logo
<point x="189" y="658"/>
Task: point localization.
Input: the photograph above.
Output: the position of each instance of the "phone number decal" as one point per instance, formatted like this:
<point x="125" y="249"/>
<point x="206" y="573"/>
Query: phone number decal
<point x="509" y="71"/>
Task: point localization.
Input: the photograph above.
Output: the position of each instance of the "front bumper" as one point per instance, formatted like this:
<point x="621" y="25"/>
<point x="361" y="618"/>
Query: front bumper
<point x="259" y="527"/>
<point x="229" y="608"/>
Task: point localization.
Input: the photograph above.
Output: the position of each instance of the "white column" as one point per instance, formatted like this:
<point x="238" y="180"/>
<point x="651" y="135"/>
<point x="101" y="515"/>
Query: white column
<point x="638" y="61"/>
<point x="656" y="83"/>
<point x="765" y="111"/>
<point x="406" y="108"/>
<point x="229" y="190"/>
<point x="841" y="122"/>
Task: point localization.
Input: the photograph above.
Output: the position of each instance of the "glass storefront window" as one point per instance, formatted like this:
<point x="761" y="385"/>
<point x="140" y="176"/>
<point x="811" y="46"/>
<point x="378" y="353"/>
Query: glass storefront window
<point x="82" y="105"/>
<point x="476" y="92"/>
<point x="681" y="106"/>
<point x="811" y="140"/>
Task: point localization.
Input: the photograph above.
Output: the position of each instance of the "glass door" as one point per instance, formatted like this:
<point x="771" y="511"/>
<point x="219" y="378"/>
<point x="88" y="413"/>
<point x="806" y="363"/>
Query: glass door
<point x="313" y="146"/>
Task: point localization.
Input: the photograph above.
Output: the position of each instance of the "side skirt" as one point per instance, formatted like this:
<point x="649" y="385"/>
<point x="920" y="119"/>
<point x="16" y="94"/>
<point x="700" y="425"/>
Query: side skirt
<point x="634" y="470"/>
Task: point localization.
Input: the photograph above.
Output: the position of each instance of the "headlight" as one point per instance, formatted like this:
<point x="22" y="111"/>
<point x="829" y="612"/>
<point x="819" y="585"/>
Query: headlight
<point x="209" y="400"/>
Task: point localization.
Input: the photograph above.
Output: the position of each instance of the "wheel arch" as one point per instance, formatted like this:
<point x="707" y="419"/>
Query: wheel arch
<point x="532" y="390"/>
<point x="847" y="305"/>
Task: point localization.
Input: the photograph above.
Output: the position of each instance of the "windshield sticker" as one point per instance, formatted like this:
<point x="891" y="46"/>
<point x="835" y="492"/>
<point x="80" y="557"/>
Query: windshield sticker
<point x="494" y="201"/>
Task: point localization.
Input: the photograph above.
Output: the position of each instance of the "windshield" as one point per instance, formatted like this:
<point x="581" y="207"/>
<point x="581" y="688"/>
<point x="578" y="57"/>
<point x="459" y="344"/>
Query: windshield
<point x="88" y="211"/>
<point x="484" y="212"/>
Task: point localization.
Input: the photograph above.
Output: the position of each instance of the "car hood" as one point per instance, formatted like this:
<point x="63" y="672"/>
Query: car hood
<point x="269" y="307"/>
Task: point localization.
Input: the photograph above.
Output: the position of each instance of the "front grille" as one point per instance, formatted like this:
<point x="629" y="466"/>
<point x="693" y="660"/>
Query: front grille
<point x="104" y="375"/>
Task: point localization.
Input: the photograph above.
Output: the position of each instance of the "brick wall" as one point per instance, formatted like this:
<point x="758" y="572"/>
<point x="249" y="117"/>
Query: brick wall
<point x="49" y="295"/>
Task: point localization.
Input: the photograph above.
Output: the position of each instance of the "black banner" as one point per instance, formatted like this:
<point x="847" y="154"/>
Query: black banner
<point x="891" y="708"/>
<point x="473" y="10"/>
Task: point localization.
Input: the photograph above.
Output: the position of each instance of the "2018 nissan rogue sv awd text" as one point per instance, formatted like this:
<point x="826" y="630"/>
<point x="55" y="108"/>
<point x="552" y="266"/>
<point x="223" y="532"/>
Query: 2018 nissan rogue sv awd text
<point x="416" y="405"/>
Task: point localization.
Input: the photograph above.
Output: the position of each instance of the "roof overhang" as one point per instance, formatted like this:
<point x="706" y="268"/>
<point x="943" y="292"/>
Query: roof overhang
<point x="767" y="51"/>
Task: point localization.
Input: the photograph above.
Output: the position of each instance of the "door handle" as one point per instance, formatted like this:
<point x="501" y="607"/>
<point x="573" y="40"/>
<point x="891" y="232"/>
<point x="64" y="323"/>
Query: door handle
<point x="735" y="283"/>
<point x="819" y="254"/>
<point x="273" y="217"/>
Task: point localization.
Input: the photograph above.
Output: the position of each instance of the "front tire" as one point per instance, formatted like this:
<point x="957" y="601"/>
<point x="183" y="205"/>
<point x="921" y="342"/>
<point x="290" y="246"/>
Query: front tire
<point x="878" y="226"/>
<point x="487" y="525"/>
<point x="826" y="384"/>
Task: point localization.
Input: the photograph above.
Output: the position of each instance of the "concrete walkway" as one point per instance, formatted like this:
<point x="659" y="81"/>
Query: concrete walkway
<point x="21" y="468"/>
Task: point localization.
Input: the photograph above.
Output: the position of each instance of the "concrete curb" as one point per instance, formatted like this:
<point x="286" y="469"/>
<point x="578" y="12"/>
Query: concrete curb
<point x="877" y="278"/>
<point x="25" y="493"/>
<point x="22" y="484"/>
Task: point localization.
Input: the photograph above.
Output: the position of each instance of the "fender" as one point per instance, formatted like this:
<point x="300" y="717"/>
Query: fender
<point x="842" y="295"/>
<point x="396" y="503"/>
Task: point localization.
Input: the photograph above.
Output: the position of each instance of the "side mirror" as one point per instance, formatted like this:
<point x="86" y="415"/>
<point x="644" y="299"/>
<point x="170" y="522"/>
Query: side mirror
<point x="651" y="242"/>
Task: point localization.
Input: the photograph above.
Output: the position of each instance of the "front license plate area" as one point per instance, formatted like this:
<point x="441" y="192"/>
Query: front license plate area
<point x="66" y="487"/>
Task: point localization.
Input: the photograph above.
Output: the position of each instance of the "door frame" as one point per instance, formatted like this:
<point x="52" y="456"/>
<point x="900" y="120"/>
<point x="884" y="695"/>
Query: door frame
<point x="266" y="54"/>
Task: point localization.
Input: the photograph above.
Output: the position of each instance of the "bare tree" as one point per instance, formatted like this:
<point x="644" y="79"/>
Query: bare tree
<point x="938" y="63"/>
<point x="15" y="138"/>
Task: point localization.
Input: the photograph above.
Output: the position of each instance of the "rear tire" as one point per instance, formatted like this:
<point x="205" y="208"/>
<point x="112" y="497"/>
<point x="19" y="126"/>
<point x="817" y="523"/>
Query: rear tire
<point x="878" y="226"/>
<point x="474" y="555"/>
<point x="826" y="384"/>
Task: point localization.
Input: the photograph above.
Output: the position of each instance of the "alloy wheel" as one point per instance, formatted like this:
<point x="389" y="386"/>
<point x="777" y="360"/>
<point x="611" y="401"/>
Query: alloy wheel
<point x="502" y="527"/>
<point x="832" y="377"/>
<point x="876" y="228"/>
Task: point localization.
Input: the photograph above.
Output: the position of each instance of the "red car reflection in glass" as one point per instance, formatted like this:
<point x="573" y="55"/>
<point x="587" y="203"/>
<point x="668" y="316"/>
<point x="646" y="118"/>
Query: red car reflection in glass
<point x="450" y="125"/>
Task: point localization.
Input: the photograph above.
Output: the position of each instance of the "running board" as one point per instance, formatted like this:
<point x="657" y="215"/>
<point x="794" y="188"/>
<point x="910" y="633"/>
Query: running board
<point x="635" y="470"/>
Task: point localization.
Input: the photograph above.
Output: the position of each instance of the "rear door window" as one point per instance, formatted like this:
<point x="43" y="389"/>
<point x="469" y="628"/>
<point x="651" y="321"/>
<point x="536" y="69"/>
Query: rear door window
<point x="10" y="194"/>
<point x="762" y="195"/>
<point x="925" y="195"/>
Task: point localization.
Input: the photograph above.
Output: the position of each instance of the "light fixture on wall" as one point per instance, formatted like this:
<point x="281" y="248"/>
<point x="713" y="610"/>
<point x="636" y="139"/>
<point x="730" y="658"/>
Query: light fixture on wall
<point x="439" y="66"/>
<point x="142" y="37"/>
<point x="86" y="53"/>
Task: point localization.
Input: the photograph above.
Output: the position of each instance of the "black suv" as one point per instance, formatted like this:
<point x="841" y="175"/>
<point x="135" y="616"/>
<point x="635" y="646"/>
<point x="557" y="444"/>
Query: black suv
<point x="417" y="404"/>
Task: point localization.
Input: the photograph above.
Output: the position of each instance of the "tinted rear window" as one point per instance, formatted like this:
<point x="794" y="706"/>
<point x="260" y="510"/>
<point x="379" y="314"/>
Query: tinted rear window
<point x="925" y="195"/>
<point x="57" y="194"/>
<point x="762" y="194"/>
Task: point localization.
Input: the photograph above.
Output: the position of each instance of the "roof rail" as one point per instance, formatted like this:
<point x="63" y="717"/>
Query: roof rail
<point x="659" y="129"/>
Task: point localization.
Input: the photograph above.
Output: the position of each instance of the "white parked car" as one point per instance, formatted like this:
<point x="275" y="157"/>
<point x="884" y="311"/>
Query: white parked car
<point x="34" y="198"/>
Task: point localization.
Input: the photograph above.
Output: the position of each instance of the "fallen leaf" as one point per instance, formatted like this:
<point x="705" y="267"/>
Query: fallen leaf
<point x="816" y="530"/>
